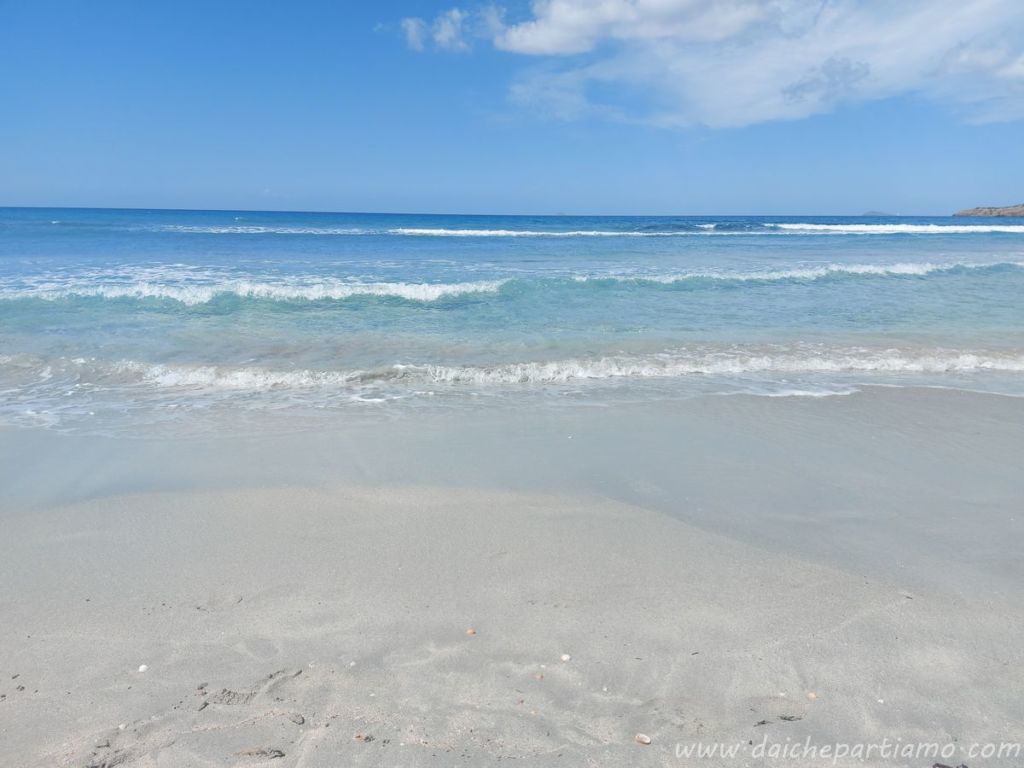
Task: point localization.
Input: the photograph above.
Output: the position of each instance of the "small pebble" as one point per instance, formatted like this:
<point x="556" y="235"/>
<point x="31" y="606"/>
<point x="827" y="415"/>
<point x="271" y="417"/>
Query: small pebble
<point x="812" y="695"/>
<point x="470" y="631"/>
<point x="643" y="738"/>
<point x="566" y="657"/>
<point x="143" y="668"/>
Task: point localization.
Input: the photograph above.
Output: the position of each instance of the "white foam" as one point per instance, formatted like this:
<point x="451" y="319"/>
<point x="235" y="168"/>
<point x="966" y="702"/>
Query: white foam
<point x="811" y="272"/>
<point x="661" y="366"/>
<point x="408" y="231"/>
<point x="699" y="229"/>
<point x="226" y="378"/>
<point x="64" y="392"/>
<point x="896" y="229"/>
<point x="191" y="286"/>
<point x="674" y="366"/>
<point x="762" y="228"/>
<point x="202" y="293"/>
<point x="242" y="229"/>
<point x="442" y="232"/>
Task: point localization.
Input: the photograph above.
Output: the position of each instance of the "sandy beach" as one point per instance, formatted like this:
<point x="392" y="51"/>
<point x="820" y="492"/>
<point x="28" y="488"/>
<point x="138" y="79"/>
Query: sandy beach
<point x="551" y="383"/>
<point x="344" y="612"/>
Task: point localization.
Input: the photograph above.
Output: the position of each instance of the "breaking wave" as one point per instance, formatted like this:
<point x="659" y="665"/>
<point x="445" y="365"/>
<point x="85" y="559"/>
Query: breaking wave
<point x="190" y="291"/>
<point x="682" y="229"/>
<point x="673" y="366"/>
<point x="908" y="229"/>
<point x="812" y="272"/>
<point x="251" y="289"/>
<point x="91" y="393"/>
<point x="664" y="365"/>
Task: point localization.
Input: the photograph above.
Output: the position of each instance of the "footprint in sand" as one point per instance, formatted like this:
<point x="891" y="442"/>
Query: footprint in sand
<point x="248" y="726"/>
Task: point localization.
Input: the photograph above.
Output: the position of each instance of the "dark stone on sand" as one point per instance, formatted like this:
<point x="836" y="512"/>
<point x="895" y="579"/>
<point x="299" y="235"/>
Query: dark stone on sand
<point x="268" y="752"/>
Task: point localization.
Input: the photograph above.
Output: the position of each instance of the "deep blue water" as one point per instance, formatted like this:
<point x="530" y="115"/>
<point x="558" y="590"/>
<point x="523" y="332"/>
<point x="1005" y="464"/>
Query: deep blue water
<point x="114" y="319"/>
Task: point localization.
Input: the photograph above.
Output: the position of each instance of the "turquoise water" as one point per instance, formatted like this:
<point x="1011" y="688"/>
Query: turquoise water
<point x="115" y="320"/>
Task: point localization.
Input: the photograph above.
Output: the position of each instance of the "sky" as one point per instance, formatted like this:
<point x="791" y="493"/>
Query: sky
<point x="553" y="106"/>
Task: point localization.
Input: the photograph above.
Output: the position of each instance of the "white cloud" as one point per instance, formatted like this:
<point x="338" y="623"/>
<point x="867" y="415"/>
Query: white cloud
<point x="414" y="30"/>
<point x="447" y="31"/>
<point x="737" y="62"/>
<point x="575" y="26"/>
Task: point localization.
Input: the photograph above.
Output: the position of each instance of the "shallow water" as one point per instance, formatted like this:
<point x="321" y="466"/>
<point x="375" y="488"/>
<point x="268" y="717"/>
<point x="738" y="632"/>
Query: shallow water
<point x="113" y="321"/>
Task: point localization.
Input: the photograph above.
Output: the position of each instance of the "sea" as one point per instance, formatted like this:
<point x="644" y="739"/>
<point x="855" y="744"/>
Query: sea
<point x="142" y="322"/>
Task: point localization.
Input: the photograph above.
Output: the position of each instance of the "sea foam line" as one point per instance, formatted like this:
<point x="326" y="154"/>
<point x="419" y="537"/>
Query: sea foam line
<point x="262" y="230"/>
<point x="895" y="229"/>
<point x="566" y="371"/>
<point x="661" y="366"/>
<point x="442" y="232"/>
<point x="205" y="293"/>
<point x="697" y="229"/>
<point x="815" y="272"/>
<point x="764" y="228"/>
<point x="182" y="289"/>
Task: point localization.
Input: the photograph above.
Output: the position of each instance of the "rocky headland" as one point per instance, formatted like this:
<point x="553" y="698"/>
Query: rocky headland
<point x="1008" y="210"/>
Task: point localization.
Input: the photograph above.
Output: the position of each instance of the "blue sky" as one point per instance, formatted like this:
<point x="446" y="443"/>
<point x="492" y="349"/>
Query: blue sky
<point x="559" y="106"/>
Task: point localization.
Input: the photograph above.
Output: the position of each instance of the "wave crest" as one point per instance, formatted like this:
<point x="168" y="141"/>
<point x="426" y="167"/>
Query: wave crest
<point x="660" y="366"/>
<point x="250" y="289"/>
<point x="810" y="272"/>
<point x="180" y="287"/>
<point x="681" y="230"/>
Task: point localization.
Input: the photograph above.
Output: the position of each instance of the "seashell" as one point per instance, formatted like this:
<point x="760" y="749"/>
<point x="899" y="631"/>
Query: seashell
<point x="643" y="738"/>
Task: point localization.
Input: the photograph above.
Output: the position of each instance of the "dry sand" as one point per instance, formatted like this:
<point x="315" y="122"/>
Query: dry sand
<point x="329" y="626"/>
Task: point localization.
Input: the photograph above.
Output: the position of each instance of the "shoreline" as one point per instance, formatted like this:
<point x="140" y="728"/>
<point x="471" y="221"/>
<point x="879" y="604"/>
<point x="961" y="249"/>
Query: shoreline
<point x="825" y="479"/>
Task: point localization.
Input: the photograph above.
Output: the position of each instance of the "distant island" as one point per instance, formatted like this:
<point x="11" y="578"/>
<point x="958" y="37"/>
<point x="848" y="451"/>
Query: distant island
<point x="1008" y="210"/>
<point x="880" y="214"/>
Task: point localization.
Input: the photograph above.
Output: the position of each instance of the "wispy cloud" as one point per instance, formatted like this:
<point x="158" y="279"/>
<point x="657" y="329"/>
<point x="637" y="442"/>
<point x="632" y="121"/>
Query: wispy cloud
<point x="737" y="62"/>
<point x="414" y="30"/>
<point x="561" y="27"/>
<point x="447" y="31"/>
